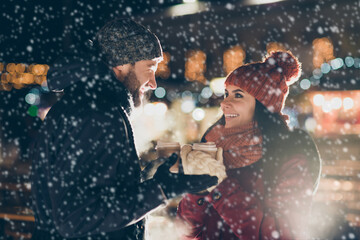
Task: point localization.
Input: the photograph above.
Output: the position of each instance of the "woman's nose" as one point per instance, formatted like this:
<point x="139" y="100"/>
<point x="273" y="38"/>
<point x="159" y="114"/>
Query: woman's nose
<point x="224" y="103"/>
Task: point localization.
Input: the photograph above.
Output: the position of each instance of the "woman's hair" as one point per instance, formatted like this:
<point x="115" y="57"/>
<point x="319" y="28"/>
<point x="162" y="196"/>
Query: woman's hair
<point x="271" y="124"/>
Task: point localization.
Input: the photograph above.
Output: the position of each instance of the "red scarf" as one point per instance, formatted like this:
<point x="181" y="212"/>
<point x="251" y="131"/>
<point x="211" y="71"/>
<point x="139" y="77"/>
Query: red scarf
<point x="242" y="145"/>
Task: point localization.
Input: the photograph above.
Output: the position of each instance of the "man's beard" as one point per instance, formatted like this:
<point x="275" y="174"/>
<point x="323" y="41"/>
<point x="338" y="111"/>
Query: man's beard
<point x="133" y="85"/>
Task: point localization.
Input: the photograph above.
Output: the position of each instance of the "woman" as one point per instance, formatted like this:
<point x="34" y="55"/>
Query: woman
<point x="272" y="172"/>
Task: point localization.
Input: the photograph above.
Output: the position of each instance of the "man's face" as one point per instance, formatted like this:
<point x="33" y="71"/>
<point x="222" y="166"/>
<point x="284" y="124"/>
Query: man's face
<point x="139" y="78"/>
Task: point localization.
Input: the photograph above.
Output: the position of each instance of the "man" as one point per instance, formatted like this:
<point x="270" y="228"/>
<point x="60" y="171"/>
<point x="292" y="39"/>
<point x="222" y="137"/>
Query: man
<point x="85" y="181"/>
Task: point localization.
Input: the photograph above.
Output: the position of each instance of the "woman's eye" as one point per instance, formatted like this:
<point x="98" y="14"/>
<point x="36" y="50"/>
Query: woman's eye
<point x="226" y="95"/>
<point x="238" y="95"/>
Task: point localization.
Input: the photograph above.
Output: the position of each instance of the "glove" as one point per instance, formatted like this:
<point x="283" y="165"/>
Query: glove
<point x="175" y="184"/>
<point x="199" y="162"/>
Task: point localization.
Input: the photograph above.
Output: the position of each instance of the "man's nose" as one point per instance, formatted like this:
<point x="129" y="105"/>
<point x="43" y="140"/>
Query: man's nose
<point x="152" y="83"/>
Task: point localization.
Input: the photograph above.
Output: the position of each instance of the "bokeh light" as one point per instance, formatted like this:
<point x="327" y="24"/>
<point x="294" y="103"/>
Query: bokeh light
<point x="160" y="109"/>
<point x="33" y="110"/>
<point x="310" y="124"/>
<point x="319" y="99"/>
<point x="206" y="92"/>
<point x="305" y="84"/>
<point x="325" y="68"/>
<point x="349" y="61"/>
<point x="187" y="105"/>
<point x="149" y="109"/>
<point x="348" y="103"/>
<point x="337" y="63"/>
<point x="336" y="103"/>
<point x="160" y="92"/>
<point x="217" y="86"/>
<point x="327" y="106"/>
<point x="32" y="98"/>
<point x="198" y="114"/>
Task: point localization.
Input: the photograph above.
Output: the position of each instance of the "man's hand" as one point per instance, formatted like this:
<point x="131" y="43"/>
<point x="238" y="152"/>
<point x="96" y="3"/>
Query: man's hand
<point x="174" y="184"/>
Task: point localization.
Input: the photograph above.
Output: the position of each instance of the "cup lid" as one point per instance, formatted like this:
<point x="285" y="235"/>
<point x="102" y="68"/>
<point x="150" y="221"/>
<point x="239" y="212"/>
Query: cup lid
<point x="162" y="144"/>
<point x="208" y="146"/>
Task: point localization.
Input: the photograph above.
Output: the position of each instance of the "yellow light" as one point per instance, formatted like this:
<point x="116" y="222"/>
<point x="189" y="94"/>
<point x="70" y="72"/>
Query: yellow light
<point x="149" y="109"/>
<point x="323" y="51"/>
<point x="20" y="68"/>
<point x="233" y="58"/>
<point x="186" y="9"/>
<point x="310" y="124"/>
<point x="160" y="109"/>
<point x="195" y="66"/>
<point x="198" y="114"/>
<point x="10" y="67"/>
<point x="155" y="109"/>
<point x="217" y="85"/>
<point x="39" y="69"/>
<point x="275" y="46"/>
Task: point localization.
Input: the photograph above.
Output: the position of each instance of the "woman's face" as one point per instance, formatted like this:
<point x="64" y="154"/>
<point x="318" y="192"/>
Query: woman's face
<point x="238" y="107"/>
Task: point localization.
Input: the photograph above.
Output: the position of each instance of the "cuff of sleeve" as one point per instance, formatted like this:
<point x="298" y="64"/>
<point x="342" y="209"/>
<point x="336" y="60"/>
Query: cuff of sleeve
<point x="151" y="193"/>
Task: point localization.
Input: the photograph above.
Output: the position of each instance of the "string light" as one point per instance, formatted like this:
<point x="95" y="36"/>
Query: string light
<point x="18" y="75"/>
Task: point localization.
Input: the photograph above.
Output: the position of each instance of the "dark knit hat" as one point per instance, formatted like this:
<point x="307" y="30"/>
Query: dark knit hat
<point x="124" y="41"/>
<point x="268" y="81"/>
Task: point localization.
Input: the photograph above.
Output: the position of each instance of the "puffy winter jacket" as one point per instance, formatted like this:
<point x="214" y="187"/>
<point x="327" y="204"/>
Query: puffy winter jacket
<point x="252" y="204"/>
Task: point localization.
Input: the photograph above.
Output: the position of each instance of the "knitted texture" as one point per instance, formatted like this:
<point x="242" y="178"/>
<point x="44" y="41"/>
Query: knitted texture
<point x="124" y="41"/>
<point x="242" y="146"/>
<point x="268" y="81"/>
<point x="199" y="162"/>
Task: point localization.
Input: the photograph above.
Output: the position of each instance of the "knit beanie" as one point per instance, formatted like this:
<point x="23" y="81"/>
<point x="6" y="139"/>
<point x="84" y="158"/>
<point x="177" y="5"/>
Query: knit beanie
<point x="268" y="81"/>
<point x="123" y="41"/>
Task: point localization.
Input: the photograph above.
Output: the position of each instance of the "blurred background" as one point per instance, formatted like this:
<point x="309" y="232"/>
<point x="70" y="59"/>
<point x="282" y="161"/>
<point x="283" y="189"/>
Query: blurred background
<point x="202" y="41"/>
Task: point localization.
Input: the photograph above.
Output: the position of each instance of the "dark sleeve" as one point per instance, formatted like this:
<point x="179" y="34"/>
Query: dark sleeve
<point x="283" y="212"/>
<point x="94" y="186"/>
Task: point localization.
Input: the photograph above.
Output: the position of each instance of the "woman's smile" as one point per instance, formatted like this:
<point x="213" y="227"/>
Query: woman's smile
<point x="231" y="115"/>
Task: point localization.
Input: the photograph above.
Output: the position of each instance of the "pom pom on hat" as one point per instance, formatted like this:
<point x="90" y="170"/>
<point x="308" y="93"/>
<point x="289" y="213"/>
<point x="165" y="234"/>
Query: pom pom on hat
<point x="288" y="64"/>
<point x="268" y="81"/>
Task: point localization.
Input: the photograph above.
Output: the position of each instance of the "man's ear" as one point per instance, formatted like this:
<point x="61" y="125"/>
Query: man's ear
<point x="117" y="71"/>
<point x="121" y="71"/>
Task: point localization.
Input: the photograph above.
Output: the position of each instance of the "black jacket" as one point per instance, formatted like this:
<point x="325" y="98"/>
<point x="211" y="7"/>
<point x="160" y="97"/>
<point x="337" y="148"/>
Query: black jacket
<point x="86" y="172"/>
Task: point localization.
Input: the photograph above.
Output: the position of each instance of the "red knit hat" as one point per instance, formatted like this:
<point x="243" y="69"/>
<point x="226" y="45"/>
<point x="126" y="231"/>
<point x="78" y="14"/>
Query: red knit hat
<point x="268" y="81"/>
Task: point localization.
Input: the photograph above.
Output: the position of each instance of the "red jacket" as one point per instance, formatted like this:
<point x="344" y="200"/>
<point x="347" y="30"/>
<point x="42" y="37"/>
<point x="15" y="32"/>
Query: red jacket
<point x="241" y="208"/>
